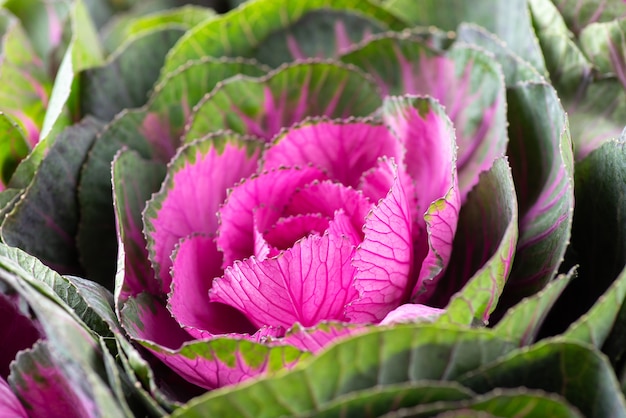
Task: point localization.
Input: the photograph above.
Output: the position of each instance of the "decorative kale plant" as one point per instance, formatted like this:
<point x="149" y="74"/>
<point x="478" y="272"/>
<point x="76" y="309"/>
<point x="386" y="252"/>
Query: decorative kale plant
<point x="313" y="208"/>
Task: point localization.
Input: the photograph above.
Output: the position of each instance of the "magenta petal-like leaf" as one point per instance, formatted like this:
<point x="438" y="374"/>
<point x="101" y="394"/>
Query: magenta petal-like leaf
<point x="260" y="199"/>
<point x="309" y="283"/>
<point x="428" y="135"/>
<point x="17" y="332"/>
<point x="342" y="149"/>
<point x="411" y="312"/>
<point x="316" y="338"/>
<point x="10" y="406"/>
<point x="384" y="260"/>
<point x="195" y="187"/>
<point x="196" y="263"/>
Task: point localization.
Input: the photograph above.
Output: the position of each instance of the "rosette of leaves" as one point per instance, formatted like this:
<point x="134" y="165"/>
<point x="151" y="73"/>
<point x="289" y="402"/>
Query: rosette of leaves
<point x="247" y="72"/>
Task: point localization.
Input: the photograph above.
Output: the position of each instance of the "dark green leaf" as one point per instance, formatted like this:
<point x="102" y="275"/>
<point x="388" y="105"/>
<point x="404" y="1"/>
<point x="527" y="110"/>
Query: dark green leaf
<point x="579" y="14"/>
<point x="45" y="220"/>
<point x="85" y="300"/>
<point x="515" y="69"/>
<point x="596" y="103"/>
<point x="598" y="247"/>
<point x="75" y="351"/>
<point x="580" y="374"/>
<point x="540" y="154"/>
<point x="127" y="77"/>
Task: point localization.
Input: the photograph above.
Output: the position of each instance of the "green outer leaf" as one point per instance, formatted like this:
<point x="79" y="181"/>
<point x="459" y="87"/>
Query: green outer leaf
<point x="75" y="350"/>
<point x="567" y="65"/>
<point x="83" y="52"/>
<point x="515" y="69"/>
<point x="45" y="220"/>
<point x="518" y="403"/>
<point x="489" y="212"/>
<point x="379" y="400"/>
<point x="183" y="18"/>
<point x="579" y="14"/>
<point x="13" y="148"/>
<point x="522" y="322"/>
<point x="68" y="293"/>
<point x="382" y="356"/>
<point x="106" y="90"/>
<point x="294" y="91"/>
<point x="238" y="34"/>
<point x="596" y="103"/>
<point x="540" y="154"/>
<point x="164" y="117"/>
<point x="575" y="371"/>
<point x="596" y="115"/>
<point x="509" y="20"/>
<point x="604" y="44"/>
<point x="94" y="305"/>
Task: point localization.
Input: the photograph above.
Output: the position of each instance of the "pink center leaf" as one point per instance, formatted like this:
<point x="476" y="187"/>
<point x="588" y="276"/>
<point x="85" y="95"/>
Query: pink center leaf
<point x="343" y="150"/>
<point x="258" y="202"/>
<point x="310" y="282"/>
<point x="326" y="198"/>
